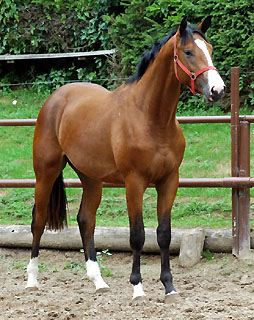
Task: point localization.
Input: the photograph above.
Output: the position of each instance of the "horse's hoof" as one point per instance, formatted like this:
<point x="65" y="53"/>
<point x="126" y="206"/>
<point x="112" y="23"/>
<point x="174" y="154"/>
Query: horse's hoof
<point x="138" y="300"/>
<point x="32" y="288"/>
<point x="172" y="297"/>
<point x="103" y="290"/>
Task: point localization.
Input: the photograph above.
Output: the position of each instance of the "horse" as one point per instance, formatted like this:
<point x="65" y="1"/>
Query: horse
<point x="126" y="136"/>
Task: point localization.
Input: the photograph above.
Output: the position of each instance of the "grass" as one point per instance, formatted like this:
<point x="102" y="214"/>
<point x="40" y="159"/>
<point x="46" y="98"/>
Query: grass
<point x="74" y="266"/>
<point x="208" y="255"/>
<point x="208" y="153"/>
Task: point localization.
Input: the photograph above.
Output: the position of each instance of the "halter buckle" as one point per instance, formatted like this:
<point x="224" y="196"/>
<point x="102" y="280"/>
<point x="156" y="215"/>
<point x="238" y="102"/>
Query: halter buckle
<point x="175" y="57"/>
<point x="193" y="76"/>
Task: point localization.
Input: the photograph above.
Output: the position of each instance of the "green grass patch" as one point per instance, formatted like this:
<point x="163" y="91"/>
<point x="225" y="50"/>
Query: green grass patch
<point x="208" y="153"/>
<point x="16" y="206"/>
<point x="74" y="266"/>
<point x="208" y="255"/>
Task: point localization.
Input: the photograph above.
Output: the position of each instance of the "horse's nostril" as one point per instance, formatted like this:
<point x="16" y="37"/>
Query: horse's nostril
<point x="218" y="90"/>
<point x="214" y="93"/>
<point x="217" y="93"/>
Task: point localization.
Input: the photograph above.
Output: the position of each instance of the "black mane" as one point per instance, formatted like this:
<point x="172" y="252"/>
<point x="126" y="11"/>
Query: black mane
<point x="150" y="55"/>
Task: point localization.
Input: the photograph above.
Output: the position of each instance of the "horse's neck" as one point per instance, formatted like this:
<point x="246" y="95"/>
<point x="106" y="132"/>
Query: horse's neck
<point x="160" y="88"/>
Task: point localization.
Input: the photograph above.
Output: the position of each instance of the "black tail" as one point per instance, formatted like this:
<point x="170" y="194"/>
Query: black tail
<point x="57" y="217"/>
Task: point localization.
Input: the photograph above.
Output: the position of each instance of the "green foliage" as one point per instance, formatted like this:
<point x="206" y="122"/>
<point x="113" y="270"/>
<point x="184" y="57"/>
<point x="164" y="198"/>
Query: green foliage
<point x="197" y="208"/>
<point x="129" y="33"/>
<point x="53" y="26"/>
<point x="231" y="33"/>
<point x="16" y="206"/>
<point x="43" y="267"/>
<point x="74" y="266"/>
<point x="208" y="255"/>
<point x="130" y="26"/>
<point x="19" y="265"/>
<point x="40" y="26"/>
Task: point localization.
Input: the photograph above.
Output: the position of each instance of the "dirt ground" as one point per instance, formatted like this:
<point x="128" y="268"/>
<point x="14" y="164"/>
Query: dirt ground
<point x="219" y="287"/>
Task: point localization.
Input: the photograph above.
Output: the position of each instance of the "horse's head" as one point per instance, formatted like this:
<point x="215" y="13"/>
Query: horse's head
<point x="193" y="61"/>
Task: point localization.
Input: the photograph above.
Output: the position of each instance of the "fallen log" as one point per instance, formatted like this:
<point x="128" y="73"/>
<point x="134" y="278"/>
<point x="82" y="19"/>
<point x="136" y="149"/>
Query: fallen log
<point x="111" y="238"/>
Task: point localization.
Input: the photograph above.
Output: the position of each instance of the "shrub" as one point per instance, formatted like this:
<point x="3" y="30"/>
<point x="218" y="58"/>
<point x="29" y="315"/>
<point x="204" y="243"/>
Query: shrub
<point x="131" y="26"/>
<point x="231" y="33"/>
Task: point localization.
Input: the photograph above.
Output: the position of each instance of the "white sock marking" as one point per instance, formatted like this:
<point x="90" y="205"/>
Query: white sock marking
<point x="138" y="291"/>
<point x="32" y="273"/>
<point x="214" y="79"/>
<point x="94" y="274"/>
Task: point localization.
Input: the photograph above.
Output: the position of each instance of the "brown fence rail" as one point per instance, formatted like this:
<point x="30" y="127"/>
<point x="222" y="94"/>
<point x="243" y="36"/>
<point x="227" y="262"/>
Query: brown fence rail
<point x="190" y="119"/>
<point x="240" y="182"/>
<point x="228" y="182"/>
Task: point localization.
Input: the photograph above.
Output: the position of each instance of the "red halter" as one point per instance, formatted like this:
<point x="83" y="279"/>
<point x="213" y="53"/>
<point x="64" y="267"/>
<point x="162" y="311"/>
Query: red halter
<point x="193" y="75"/>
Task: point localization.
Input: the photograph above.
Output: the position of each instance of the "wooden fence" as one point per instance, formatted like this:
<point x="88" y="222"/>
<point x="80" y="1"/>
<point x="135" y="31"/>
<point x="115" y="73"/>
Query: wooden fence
<point x="240" y="181"/>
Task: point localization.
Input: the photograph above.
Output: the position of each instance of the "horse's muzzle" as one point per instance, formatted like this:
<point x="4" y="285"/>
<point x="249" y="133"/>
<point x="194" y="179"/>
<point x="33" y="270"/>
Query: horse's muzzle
<point x="216" y="93"/>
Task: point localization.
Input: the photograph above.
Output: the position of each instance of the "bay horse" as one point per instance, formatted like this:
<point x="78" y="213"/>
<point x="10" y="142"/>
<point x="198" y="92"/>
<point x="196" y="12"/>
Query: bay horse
<point x="129" y="135"/>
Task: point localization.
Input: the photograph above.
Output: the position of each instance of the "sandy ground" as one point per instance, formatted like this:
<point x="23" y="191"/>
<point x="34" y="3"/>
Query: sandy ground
<point x="219" y="288"/>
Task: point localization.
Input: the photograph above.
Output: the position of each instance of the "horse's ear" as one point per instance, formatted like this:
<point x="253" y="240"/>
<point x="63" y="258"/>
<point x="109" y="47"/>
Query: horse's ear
<point x="203" y="26"/>
<point x="183" y="26"/>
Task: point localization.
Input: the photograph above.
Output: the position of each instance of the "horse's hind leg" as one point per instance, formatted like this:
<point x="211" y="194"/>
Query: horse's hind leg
<point x="46" y="175"/>
<point x="91" y="199"/>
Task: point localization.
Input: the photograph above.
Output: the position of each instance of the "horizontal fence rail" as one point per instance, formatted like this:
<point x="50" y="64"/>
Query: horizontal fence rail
<point x="189" y="119"/>
<point x="213" y="119"/>
<point x="13" y="57"/>
<point x="228" y="182"/>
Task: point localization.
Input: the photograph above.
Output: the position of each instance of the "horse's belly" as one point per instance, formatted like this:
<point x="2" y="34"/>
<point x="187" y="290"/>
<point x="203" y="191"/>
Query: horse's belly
<point x="93" y="163"/>
<point x="92" y="155"/>
<point x="114" y="177"/>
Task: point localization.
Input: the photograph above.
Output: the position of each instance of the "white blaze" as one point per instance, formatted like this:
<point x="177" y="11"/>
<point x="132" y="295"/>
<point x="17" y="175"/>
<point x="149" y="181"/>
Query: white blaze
<point x="214" y="79"/>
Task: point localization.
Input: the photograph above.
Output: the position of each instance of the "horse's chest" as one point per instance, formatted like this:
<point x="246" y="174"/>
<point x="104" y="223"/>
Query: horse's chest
<point x="154" y="154"/>
<point x="156" y="162"/>
<point x="164" y="161"/>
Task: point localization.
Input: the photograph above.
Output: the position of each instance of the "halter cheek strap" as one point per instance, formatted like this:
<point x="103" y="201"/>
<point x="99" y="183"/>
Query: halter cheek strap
<point x="193" y="75"/>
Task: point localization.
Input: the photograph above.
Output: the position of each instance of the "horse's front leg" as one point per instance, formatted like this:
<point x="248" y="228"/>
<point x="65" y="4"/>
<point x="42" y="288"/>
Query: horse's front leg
<point x="166" y="194"/>
<point x="135" y="188"/>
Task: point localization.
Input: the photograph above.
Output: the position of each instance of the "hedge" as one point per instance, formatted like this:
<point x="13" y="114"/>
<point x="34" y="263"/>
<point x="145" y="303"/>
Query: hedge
<point x="130" y="26"/>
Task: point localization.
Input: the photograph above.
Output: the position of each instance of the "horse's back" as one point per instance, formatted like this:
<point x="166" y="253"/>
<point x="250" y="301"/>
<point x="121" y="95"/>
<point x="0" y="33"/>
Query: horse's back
<point x="65" y="97"/>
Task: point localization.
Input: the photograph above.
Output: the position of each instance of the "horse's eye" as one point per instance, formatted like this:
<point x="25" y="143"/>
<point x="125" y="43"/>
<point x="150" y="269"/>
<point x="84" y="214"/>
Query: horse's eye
<point x="188" y="53"/>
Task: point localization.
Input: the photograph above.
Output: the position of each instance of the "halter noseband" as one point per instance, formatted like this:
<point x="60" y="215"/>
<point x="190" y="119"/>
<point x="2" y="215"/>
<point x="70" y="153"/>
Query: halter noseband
<point x="193" y="75"/>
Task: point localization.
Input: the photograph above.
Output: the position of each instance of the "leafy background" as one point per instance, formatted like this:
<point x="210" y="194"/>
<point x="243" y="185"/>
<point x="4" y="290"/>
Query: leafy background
<point x="130" y="26"/>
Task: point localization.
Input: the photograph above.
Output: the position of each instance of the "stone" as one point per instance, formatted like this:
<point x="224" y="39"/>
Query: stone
<point x="191" y="247"/>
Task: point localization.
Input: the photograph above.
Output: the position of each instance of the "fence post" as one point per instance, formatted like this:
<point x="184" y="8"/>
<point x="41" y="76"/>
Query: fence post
<point x="235" y="156"/>
<point x="240" y="162"/>
<point x="244" y="193"/>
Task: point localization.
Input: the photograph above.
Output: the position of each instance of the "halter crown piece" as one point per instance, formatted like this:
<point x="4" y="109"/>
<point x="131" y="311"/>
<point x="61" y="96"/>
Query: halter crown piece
<point x="193" y="75"/>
